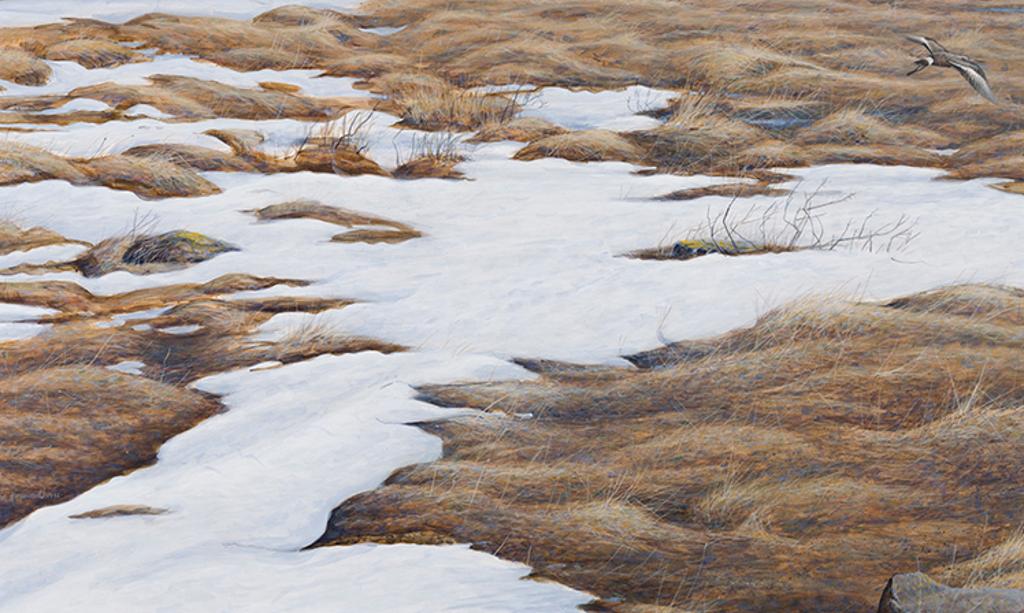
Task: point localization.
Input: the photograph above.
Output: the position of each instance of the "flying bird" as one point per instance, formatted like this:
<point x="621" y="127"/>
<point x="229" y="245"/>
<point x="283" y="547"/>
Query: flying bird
<point x="968" y="68"/>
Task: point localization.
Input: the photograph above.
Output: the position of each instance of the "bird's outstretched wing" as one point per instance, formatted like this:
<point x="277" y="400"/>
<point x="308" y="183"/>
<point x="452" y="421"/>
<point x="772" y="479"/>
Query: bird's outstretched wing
<point x="929" y="44"/>
<point x="975" y="75"/>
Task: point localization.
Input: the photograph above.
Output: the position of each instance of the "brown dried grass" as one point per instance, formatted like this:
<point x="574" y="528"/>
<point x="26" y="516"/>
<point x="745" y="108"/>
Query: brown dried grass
<point x="793" y="465"/>
<point x="70" y="423"/>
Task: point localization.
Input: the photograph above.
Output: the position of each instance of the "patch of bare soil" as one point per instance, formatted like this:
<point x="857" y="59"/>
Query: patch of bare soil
<point x="71" y="422"/>
<point x="793" y="465"/>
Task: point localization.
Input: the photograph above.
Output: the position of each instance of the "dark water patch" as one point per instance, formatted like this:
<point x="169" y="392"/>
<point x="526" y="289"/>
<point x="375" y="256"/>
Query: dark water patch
<point x="896" y="114"/>
<point x="777" y="119"/>
<point x="997" y="9"/>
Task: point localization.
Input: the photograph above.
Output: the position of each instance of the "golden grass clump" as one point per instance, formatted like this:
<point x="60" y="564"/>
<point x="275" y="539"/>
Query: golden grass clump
<point x="584" y="146"/>
<point x="93" y="53"/>
<point x="522" y="129"/>
<point x="431" y="156"/>
<point x="324" y="150"/>
<point x="430" y="103"/>
<point x="99" y="422"/>
<point x="149" y="178"/>
<point x="793" y="465"/>
<point x="199" y="99"/>
<point x="23" y="68"/>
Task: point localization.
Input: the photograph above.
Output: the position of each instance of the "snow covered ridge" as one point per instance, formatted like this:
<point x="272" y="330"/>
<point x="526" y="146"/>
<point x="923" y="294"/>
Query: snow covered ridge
<point x="260" y="328"/>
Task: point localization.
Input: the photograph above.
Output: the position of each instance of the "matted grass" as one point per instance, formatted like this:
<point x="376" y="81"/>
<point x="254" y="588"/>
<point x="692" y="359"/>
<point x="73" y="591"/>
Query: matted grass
<point x="793" y="465"/>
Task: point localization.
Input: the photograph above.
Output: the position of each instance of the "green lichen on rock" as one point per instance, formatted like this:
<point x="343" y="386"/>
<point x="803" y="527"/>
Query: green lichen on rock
<point x="692" y="248"/>
<point x="176" y="247"/>
<point x="149" y="253"/>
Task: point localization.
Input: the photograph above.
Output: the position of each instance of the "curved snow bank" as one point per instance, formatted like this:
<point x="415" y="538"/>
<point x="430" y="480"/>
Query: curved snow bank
<point x="243" y="503"/>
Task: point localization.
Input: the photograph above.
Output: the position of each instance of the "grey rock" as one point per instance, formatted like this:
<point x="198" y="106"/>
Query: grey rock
<point x="918" y="593"/>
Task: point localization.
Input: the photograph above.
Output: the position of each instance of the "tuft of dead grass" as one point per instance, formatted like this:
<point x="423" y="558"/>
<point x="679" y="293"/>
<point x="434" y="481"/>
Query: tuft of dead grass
<point x="430" y="156"/>
<point x="583" y="146"/>
<point x="150" y="177"/>
<point x="119" y="510"/>
<point x="93" y="53"/>
<point x="23" y="68"/>
<point x="426" y="102"/>
<point x="781" y="227"/>
<point x="374" y="230"/>
<point x="522" y="129"/>
<point x="793" y="465"/>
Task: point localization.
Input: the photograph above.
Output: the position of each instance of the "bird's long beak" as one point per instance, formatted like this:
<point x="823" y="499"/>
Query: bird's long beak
<point x="920" y="65"/>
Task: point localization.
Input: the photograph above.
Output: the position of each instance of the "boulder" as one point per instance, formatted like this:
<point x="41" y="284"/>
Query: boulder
<point x="176" y="247"/>
<point x="918" y="593"/>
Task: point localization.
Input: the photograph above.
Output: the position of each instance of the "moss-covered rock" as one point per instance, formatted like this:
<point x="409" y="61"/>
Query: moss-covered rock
<point x="177" y="247"/>
<point x="149" y="254"/>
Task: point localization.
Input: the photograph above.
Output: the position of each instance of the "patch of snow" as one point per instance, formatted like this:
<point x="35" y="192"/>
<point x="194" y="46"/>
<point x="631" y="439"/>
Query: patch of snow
<point x="130" y="367"/>
<point x="17" y="313"/>
<point x="268" y="365"/>
<point x="147" y="111"/>
<point x="121" y="319"/>
<point x="245" y="502"/>
<point x="40" y="255"/>
<point x="69" y="75"/>
<point x="78" y="104"/>
<point x="383" y="31"/>
<point x="20" y="331"/>
<point x="180" y="330"/>
<point x="607" y="110"/>
<point x="16" y="321"/>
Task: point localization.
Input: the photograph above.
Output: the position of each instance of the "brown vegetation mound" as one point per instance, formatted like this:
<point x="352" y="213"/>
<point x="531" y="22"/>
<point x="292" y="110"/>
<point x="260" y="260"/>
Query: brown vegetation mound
<point x="147" y="178"/>
<point x="23" y="68"/>
<point x="326" y="152"/>
<point x="380" y="230"/>
<point x="69" y="422"/>
<point x="793" y="465"/>
<point x="14" y="238"/>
